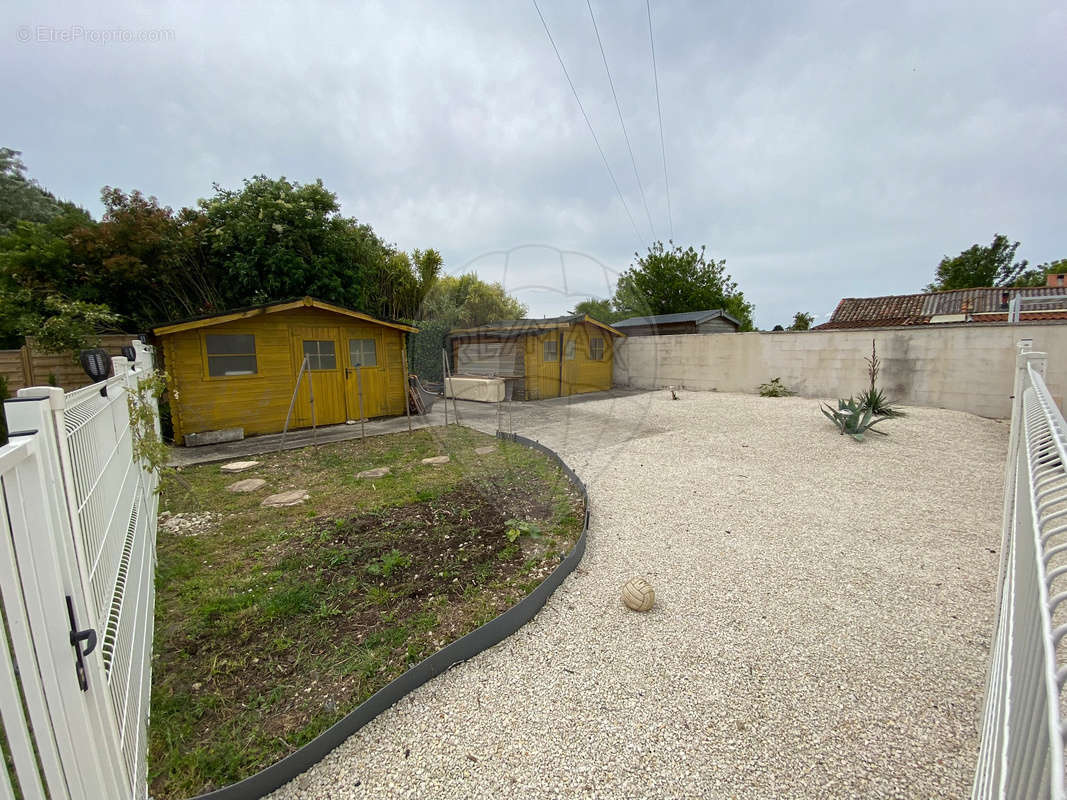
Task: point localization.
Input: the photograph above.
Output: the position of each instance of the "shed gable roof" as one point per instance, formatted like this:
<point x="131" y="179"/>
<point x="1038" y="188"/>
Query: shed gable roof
<point x="519" y="327"/>
<point x="272" y="308"/>
<point x="696" y="317"/>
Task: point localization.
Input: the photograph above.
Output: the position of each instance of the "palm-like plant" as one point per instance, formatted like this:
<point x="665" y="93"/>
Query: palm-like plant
<point x="878" y="403"/>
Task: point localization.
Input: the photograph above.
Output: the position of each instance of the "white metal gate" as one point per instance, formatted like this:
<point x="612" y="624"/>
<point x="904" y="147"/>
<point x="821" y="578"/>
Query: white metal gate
<point x="77" y="557"/>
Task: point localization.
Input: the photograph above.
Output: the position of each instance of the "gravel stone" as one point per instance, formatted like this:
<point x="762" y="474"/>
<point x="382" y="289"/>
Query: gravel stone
<point x="484" y="451"/>
<point x="188" y="523"/>
<point x="436" y="460"/>
<point x="821" y="626"/>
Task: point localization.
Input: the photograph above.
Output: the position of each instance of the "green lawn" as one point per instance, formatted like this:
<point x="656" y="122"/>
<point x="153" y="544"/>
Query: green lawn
<point x="272" y="623"/>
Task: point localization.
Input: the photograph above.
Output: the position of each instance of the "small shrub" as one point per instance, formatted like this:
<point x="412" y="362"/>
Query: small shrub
<point x="391" y="562"/>
<point x="518" y="527"/>
<point x="775" y="389"/>
<point x="853" y="418"/>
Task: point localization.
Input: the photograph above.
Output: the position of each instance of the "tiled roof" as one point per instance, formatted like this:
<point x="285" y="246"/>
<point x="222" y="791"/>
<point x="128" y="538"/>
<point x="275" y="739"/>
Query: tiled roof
<point x="1024" y="316"/>
<point x="920" y="309"/>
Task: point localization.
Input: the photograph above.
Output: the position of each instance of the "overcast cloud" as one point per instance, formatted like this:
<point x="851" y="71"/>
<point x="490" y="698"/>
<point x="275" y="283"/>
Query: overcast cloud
<point x="824" y="150"/>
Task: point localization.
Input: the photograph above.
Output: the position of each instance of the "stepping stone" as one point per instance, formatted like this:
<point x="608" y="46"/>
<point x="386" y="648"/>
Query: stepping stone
<point x="247" y="485"/>
<point x="436" y="460"/>
<point x="484" y="451"/>
<point x="378" y="472"/>
<point x="239" y="466"/>
<point x="294" y="497"/>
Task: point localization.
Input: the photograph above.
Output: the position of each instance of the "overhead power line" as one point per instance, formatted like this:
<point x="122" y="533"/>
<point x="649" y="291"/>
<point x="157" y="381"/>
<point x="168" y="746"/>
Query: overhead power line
<point x="592" y="133"/>
<point x="622" y="123"/>
<point x="659" y="113"/>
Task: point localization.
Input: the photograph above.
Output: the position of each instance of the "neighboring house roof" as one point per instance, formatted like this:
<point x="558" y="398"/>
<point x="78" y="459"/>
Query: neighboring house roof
<point x="955" y="305"/>
<point x="519" y="327"/>
<point x="208" y="320"/>
<point x="696" y="317"/>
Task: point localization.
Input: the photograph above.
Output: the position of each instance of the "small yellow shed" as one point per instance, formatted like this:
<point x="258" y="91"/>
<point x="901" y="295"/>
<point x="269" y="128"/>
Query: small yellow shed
<point x="554" y="357"/>
<point x="239" y="368"/>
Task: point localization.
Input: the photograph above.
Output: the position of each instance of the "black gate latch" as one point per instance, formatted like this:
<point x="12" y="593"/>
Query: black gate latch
<point x="76" y="638"/>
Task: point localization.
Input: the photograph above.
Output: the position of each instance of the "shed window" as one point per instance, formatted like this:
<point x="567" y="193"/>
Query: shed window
<point x="230" y="354"/>
<point x="568" y="350"/>
<point x="362" y="353"/>
<point x="551" y="352"/>
<point x="320" y="354"/>
<point x="596" y="348"/>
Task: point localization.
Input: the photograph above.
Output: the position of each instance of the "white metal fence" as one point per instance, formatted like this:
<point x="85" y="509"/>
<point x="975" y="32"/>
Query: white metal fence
<point x="77" y="557"/>
<point x="1021" y="753"/>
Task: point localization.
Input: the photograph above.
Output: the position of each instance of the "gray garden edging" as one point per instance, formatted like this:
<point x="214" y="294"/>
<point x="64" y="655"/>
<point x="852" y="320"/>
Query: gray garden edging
<point x="489" y="634"/>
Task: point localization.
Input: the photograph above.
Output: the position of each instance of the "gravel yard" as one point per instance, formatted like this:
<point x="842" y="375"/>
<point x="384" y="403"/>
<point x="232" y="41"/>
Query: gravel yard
<point x="821" y="627"/>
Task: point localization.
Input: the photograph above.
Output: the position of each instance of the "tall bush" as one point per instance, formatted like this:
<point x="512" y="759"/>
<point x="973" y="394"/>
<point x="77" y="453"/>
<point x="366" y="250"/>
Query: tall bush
<point x="424" y="349"/>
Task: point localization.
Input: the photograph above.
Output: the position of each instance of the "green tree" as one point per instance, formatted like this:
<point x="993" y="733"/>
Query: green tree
<point x="399" y="283"/>
<point x="980" y="266"/>
<point x="465" y="301"/>
<point x="145" y="264"/>
<point x="676" y="280"/>
<point x="461" y="301"/>
<point x="37" y="261"/>
<point x="802" y="321"/>
<point x="20" y="197"/>
<point x="600" y="310"/>
<point x="147" y="260"/>
<point x="70" y="325"/>
<point x="276" y="239"/>
<point x="1038" y="276"/>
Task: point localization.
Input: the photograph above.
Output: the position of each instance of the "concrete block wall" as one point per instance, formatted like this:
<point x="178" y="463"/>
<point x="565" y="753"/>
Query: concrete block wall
<point x="962" y="367"/>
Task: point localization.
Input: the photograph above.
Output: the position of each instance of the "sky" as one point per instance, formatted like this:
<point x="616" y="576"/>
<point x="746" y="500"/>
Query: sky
<point x="824" y="150"/>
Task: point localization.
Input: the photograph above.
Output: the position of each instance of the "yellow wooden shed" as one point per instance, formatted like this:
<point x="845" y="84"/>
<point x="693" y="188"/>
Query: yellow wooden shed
<point x="542" y="358"/>
<point x="239" y="368"/>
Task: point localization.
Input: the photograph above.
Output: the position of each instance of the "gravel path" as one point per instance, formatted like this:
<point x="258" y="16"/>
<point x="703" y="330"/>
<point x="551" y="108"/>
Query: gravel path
<point x="821" y="628"/>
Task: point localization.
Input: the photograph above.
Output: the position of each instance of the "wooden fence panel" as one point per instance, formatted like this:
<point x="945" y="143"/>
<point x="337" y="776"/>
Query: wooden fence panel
<point x="29" y="366"/>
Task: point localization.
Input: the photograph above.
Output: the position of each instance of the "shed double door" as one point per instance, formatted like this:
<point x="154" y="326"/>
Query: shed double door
<point x="334" y="353"/>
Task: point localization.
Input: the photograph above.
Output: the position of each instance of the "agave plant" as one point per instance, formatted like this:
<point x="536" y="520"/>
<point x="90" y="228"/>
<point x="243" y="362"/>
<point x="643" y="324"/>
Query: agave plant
<point x="853" y="418"/>
<point x="879" y="404"/>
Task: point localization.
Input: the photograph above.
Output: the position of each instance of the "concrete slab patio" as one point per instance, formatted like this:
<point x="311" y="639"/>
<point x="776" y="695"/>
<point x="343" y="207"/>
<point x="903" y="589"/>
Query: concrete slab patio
<point x="821" y="629"/>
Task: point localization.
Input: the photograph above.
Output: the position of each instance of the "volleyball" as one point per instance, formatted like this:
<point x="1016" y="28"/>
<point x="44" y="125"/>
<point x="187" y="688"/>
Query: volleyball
<point x="638" y="594"/>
